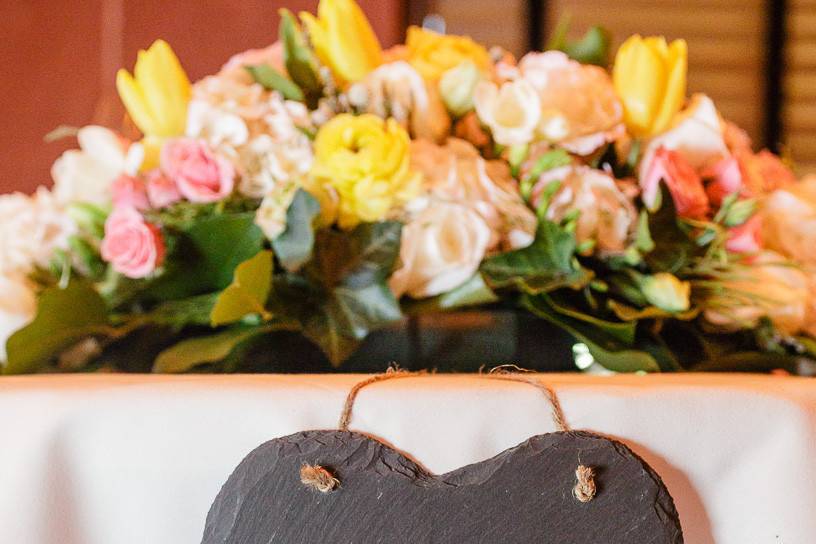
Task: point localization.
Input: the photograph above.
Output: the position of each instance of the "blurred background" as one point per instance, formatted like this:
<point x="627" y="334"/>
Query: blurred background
<point x="755" y="58"/>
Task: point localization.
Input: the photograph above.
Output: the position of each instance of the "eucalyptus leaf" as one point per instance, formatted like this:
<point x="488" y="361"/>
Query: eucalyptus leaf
<point x="294" y="246"/>
<point x="547" y="264"/>
<point x="247" y="293"/>
<point x="272" y="80"/>
<point x="64" y="316"/>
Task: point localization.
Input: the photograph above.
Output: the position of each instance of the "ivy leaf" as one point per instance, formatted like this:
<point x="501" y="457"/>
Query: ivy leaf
<point x="547" y="264"/>
<point x="248" y="292"/>
<point x="359" y="258"/>
<point x="298" y="58"/>
<point x="192" y="352"/>
<point x="183" y="312"/>
<point x="64" y="316"/>
<point x="294" y="246"/>
<point x="272" y="80"/>
<point x="348" y="316"/>
<point x="207" y="255"/>
<point x="608" y="351"/>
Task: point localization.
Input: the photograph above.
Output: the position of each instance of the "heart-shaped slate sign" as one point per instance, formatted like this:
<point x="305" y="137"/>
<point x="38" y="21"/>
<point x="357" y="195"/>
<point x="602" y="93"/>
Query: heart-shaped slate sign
<point x="522" y="495"/>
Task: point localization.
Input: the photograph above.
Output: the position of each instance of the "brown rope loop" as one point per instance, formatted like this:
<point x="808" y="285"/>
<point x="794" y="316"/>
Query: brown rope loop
<point x="584" y="489"/>
<point x="390" y="374"/>
<point x="513" y="373"/>
<point x="318" y="478"/>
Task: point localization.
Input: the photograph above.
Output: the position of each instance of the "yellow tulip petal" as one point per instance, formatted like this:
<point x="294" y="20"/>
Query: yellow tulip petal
<point x="165" y="87"/>
<point x="675" y="91"/>
<point x="638" y="77"/>
<point x="135" y="103"/>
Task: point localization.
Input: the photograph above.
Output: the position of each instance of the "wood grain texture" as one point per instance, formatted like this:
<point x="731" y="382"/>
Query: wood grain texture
<point x="522" y="495"/>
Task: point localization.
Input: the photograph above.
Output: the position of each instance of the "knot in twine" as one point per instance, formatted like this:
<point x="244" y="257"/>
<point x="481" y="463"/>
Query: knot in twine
<point x="584" y="489"/>
<point x="318" y="478"/>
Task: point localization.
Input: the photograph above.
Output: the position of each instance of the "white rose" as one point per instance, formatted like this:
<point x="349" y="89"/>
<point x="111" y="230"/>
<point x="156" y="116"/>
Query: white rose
<point x="789" y="221"/>
<point x="512" y="112"/>
<point x="456" y="172"/>
<point x="32" y="228"/>
<point x="18" y="306"/>
<point x="697" y="135"/>
<point x="86" y="174"/>
<point x="442" y="248"/>
<point x="607" y="214"/>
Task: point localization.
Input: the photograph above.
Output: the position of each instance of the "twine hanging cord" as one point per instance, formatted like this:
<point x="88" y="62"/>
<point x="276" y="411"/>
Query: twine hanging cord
<point x="322" y="480"/>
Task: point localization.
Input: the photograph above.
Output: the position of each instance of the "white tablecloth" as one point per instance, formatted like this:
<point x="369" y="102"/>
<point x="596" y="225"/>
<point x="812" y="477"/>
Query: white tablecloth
<point x="115" y="459"/>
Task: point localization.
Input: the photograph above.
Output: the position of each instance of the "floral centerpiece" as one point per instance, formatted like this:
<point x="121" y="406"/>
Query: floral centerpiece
<point x="327" y="187"/>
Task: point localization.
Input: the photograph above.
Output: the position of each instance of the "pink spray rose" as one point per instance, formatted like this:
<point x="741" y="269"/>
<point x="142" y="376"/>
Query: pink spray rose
<point x="726" y="179"/>
<point x="685" y="185"/>
<point x="133" y="246"/>
<point x="746" y="238"/>
<point x="199" y="174"/>
<point x="161" y="190"/>
<point x="129" y="192"/>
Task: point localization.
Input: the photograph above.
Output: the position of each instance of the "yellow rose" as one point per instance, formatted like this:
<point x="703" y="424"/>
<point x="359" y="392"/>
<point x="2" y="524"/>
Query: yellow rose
<point x="650" y="78"/>
<point x="343" y="39"/>
<point x="366" y="161"/>
<point x="433" y="54"/>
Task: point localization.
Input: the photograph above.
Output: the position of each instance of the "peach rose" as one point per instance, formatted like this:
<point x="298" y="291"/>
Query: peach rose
<point x="685" y="185"/>
<point x="442" y="248"/>
<point x="161" y="190"/>
<point x="789" y="221"/>
<point x="133" y="246"/>
<point x="199" y="174"/>
<point x="607" y="215"/>
<point x="580" y="107"/>
<point x="271" y="55"/>
<point x="129" y="191"/>
<point x="512" y="111"/>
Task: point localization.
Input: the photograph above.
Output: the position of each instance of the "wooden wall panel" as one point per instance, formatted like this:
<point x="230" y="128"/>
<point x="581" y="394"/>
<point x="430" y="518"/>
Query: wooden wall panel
<point x="799" y="110"/>
<point x="58" y="59"/>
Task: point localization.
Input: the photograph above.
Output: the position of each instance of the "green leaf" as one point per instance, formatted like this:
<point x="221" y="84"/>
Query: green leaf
<point x="294" y="246"/>
<point x="183" y="312"/>
<point x="64" y="316"/>
<point x="207" y="255"/>
<point x="206" y="349"/>
<point x="547" y="264"/>
<point x="272" y="80"/>
<point x="348" y="316"/>
<point x="592" y="48"/>
<point x="673" y="249"/>
<point x="607" y="350"/>
<point x="300" y="62"/>
<point x="551" y="159"/>
<point x="471" y="293"/>
<point x="359" y="258"/>
<point x="629" y="313"/>
<point x="623" y="332"/>
<point x="248" y="292"/>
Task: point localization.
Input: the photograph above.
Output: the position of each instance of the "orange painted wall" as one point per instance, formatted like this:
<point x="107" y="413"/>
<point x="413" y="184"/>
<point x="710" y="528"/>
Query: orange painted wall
<point x="58" y="59"/>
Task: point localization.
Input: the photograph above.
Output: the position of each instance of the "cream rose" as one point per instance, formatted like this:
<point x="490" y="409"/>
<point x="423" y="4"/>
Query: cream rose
<point x="456" y="172"/>
<point x="18" y="305"/>
<point x="580" y="108"/>
<point x="512" y="111"/>
<point x="607" y="215"/>
<point x="442" y="247"/>
<point x="86" y="174"/>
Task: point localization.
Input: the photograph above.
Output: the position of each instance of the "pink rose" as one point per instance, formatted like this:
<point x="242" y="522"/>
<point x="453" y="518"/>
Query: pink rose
<point x="726" y="179"/>
<point x="685" y="185"/>
<point x="746" y="238"/>
<point x="133" y="246"/>
<point x="161" y="190"/>
<point x="199" y="174"/>
<point x="129" y="192"/>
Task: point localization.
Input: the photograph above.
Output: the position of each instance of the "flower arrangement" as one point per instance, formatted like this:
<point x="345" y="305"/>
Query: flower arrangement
<point x="328" y="187"/>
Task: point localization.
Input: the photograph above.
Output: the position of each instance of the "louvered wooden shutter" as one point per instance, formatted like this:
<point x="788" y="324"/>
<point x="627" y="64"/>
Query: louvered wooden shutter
<point x="799" y="109"/>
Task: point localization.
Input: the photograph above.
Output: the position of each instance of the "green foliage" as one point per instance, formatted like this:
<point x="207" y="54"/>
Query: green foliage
<point x="294" y="246"/>
<point x="272" y="80"/>
<point x="64" y="316"/>
<point x="546" y="265"/>
<point x="182" y="312"/>
<point x="299" y="59"/>
<point x="471" y="293"/>
<point x="549" y="160"/>
<point x="247" y="293"/>
<point x="673" y="249"/>
<point x="193" y="352"/>
<point x="592" y="48"/>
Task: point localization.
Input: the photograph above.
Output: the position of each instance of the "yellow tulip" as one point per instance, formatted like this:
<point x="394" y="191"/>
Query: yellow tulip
<point x="650" y="78"/>
<point x="343" y="39"/>
<point x="156" y="96"/>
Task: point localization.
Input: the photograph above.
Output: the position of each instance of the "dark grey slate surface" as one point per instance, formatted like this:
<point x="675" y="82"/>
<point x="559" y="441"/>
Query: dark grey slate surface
<point x="522" y="495"/>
